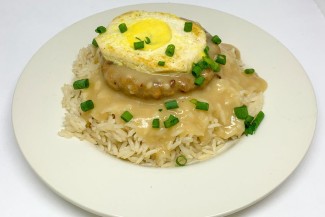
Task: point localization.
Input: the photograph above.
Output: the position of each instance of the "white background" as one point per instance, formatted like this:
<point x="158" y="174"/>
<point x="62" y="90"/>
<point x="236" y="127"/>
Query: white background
<point x="26" y="25"/>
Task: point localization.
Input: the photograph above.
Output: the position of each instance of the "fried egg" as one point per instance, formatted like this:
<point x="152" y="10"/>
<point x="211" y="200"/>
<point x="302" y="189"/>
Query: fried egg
<point x="157" y="31"/>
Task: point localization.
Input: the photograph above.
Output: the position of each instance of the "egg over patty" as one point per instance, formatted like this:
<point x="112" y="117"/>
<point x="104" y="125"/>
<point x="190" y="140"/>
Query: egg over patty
<point x="162" y="29"/>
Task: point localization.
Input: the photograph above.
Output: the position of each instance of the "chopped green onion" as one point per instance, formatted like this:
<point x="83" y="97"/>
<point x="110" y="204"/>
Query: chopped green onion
<point x="100" y="29"/>
<point x="221" y="59"/>
<point x="138" y="45"/>
<point x="202" y="106"/>
<point x="258" y="119"/>
<point x="138" y="38"/>
<point x="212" y="64"/>
<point x="171" y="121"/>
<point x="126" y="116"/>
<point x="252" y="127"/>
<point x="147" y="41"/>
<point x="199" y="80"/>
<point x="188" y="26"/>
<point x="215" y="39"/>
<point x="181" y="160"/>
<point x="170" y="50"/>
<point x="94" y="42"/>
<point x="87" y="105"/>
<point x="241" y="112"/>
<point x="161" y="63"/>
<point x="123" y="28"/>
<point x="203" y="64"/>
<point x="206" y="50"/>
<point x="194" y="101"/>
<point x="160" y="110"/>
<point x="196" y="70"/>
<point x="171" y="104"/>
<point x="155" y="123"/>
<point x="248" y="120"/>
<point x="249" y="71"/>
<point x="81" y="84"/>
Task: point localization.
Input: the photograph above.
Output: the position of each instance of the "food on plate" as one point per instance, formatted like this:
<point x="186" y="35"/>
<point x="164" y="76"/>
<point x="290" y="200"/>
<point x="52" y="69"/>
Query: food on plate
<point x="159" y="90"/>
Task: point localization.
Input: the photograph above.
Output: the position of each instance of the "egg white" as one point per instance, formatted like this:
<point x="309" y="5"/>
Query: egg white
<point x="118" y="47"/>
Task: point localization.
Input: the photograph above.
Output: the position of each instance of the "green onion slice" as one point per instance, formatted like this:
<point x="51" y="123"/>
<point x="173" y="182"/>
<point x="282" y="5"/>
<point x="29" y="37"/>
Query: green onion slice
<point x="138" y="45"/>
<point x="212" y="64"/>
<point x="155" y="123"/>
<point x="252" y="127"/>
<point x="196" y="70"/>
<point x="81" y="84"/>
<point x="87" y="105"/>
<point x="206" y="50"/>
<point x="188" y="26"/>
<point x="147" y="40"/>
<point x="181" y="160"/>
<point x="160" y="110"/>
<point x="100" y="29"/>
<point x="249" y="71"/>
<point x="171" y="104"/>
<point x="122" y="27"/>
<point x="161" y="63"/>
<point x="170" y="50"/>
<point x="194" y="101"/>
<point x="221" y="59"/>
<point x="215" y="39"/>
<point x="171" y="121"/>
<point x="202" y="106"/>
<point x="241" y="112"/>
<point x="126" y="116"/>
<point x="94" y="42"/>
<point x="199" y="80"/>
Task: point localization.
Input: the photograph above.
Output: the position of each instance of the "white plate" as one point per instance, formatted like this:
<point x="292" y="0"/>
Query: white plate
<point x="107" y="186"/>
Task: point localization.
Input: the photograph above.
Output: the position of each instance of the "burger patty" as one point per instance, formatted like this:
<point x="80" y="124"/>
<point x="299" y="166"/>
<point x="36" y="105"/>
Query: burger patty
<point x="145" y="85"/>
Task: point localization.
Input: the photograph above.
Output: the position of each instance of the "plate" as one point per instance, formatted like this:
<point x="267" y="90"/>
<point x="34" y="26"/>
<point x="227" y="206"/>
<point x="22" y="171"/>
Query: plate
<point x="106" y="186"/>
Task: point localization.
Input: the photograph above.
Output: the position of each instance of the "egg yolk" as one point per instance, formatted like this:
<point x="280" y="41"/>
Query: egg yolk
<point x="156" y="30"/>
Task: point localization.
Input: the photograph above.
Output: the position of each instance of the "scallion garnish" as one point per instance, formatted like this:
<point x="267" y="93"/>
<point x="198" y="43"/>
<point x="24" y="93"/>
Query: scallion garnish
<point x="241" y="112"/>
<point x="181" y="160"/>
<point x="161" y="63"/>
<point x="126" y="116"/>
<point x="87" y="105"/>
<point x="248" y="120"/>
<point x="203" y="64"/>
<point x="147" y="40"/>
<point x="202" y="106"/>
<point x="100" y="29"/>
<point x="170" y="50"/>
<point x="160" y="110"/>
<point x="215" y="39"/>
<point x="196" y="70"/>
<point x="212" y="64"/>
<point x="206" y="50"/>
<point x="122" y="27"/>
<point x="171" y="121"/>
<point x="194" y="101"/>
<point x="81" y="84"/>
<point x="253" y="125"/>
<point x="94" y="42"/>
<point x="199" y="80"/>
<point x="171" y="104"/>
<point x="155" y="123"/>
<point x="249" y="71"/>
<point x="221" y="59"/>
<point x="188" y="26"/>
<point x="138" y="45"/>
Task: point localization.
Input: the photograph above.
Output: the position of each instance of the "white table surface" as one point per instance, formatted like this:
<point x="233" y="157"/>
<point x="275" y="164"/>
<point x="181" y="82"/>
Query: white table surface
<point x="26" y="25"/>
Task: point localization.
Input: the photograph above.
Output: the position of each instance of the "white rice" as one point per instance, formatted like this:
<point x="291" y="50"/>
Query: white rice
<point x="121" y="140"/>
